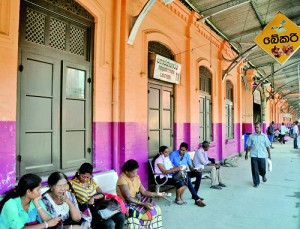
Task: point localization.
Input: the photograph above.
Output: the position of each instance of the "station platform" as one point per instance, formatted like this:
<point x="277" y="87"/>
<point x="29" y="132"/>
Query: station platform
<point x="275" y="204"/>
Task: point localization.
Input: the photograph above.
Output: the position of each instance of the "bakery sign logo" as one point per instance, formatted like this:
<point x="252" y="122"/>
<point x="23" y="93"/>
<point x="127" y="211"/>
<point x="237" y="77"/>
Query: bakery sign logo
<point x="167" y="70"/>
<point x="280" y="38"/>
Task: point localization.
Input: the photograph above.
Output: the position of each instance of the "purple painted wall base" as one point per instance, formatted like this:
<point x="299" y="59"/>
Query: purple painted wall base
<point x="186" y="132"/>
<point x="220" y="147"/>
<point x="115" y="143"/>
<point x="7" y="155"/>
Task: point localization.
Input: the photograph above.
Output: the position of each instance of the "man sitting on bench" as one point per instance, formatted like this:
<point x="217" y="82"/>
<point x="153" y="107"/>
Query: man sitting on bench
<point x="180" y="158"/>
<point x="209" y="164"/>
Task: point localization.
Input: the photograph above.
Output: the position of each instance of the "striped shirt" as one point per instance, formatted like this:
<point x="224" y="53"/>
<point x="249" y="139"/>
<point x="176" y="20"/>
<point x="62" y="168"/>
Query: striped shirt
<point x="83" y="193"/>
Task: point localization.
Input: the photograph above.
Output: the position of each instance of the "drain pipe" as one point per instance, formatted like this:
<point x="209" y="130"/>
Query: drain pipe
<point x="116" y="85"/>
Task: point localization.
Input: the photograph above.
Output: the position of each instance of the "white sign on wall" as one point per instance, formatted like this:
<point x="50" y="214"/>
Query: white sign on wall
<point x="166" y="70"/>
<point x="287" y="115"/>
<point x="256" y="97"/>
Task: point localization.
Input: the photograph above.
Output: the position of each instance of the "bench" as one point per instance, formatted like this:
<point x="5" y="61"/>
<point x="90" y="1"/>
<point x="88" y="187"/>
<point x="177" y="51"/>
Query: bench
<point x="159" y="185"/>
<point x="107" y="181"/>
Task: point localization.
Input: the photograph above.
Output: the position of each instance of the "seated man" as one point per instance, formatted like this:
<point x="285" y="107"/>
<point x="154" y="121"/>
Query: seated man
<point x="179" y="158"/>
<point x="209" y="164"/>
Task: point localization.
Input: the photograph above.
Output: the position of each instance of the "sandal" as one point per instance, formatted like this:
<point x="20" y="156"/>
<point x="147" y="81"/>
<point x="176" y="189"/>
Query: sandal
<point x="179" y="202"/>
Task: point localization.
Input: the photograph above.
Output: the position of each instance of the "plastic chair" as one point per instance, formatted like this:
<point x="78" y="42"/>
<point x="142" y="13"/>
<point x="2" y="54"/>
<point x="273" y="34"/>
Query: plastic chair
<point x="157" y="184"/>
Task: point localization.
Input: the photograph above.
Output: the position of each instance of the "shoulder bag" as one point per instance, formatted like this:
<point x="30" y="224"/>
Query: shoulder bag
<point x="179" y="175"/>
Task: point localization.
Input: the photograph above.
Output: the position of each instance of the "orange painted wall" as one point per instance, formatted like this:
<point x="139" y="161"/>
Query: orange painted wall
<point x="9" y="24"/>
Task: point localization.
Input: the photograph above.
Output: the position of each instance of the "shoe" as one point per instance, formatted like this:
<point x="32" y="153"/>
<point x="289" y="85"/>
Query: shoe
<point x="272" y="147"/>
<point x="264" y="179"/>
<point x="179" y="202"/>
<point x="222" y="185"/>
<point x="255" y="186"/>
<point x="184" y="202"/>
<point x="199" y="203"/>
<point x="216" y="187"/>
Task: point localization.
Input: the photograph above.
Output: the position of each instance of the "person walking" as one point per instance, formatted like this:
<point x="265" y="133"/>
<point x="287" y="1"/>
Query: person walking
<point x="295" y="134"/>
<point x="270" y="133"/>
<point x="283" y="131"/>
<point x="258" y="143"/>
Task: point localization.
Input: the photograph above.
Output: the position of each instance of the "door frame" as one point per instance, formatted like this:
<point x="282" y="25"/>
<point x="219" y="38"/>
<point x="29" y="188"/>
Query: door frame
<point x="161" y="85"/>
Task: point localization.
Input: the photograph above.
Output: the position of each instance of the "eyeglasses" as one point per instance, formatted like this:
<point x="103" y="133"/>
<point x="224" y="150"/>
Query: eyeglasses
<point x="60" y="186"/>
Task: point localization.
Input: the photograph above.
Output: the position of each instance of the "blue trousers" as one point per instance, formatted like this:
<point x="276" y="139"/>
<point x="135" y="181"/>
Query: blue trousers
<point x="258" y="167"/>
<point x="271" y="138"/>
<point x="194" y="189"/>
<point x="295" y="141"/>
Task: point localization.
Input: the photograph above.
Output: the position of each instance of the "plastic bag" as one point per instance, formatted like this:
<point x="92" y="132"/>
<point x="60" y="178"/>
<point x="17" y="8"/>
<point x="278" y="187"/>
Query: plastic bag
<point x="269" y="165"/>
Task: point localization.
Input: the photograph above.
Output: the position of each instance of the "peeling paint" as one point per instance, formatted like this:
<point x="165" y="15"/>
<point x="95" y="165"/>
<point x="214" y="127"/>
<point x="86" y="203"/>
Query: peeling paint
<point x="7" y="155"/>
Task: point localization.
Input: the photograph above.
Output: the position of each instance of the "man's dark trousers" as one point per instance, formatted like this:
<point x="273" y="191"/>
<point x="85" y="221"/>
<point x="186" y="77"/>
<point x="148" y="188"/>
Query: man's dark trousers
<point x="258" y="167"/>
<point x="295" y="141"/>
<point x="194" y="189"/>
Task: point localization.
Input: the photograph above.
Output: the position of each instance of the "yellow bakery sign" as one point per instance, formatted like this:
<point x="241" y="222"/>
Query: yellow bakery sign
<point x="280" y="38"/>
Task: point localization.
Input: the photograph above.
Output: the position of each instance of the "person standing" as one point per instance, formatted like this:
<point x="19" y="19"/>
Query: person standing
<point x="295" y="134"/>
<point x="201" y="159"/>
<point x="283" y="131"/>
<point x="179" y="158"/>
<point x="270" y="133"/>
<point x="258" y="143"/>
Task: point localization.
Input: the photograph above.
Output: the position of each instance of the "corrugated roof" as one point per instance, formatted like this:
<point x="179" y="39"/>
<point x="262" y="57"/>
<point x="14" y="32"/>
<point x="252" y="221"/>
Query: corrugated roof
<point x="241" y="21"/>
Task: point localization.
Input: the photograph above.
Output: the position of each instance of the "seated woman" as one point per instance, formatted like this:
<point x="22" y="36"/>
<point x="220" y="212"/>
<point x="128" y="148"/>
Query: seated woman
<point x="86" y="191"/>
<point x="22" y="207"/>
<point x="162" y="164"/>
<point x="142" y="212"/>
<point x="60" y="202"/>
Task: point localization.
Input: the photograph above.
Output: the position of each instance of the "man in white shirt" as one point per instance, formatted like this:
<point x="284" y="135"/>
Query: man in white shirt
<point x="283" y="131"/>
<point x="201" y="159"/>
<point x="295" y="134"/>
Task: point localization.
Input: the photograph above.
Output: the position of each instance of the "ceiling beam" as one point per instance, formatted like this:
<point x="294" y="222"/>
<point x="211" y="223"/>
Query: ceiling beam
<point x="237" y="60"/>
<point x="257" y="13"/>
<point x="256" y="30"/>
<point x="274" y="73"/>
<point x="279" y="89"/>
<point x="221" y="8"/>
<point x="269" y="63"/>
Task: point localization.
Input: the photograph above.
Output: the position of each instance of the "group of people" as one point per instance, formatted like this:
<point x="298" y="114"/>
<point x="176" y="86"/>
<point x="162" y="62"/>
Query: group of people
<point x="282" y="133"/>
<point x="179" y="160"/>
<point x="72" y="203"/>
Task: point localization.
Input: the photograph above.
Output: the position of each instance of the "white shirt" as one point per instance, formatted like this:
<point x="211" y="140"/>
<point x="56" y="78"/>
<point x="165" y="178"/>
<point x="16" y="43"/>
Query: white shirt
<point x="200" y="158"/>
<point x="283" y="130"/>
<point x="295" y="129"/>
<point x="166" y="162"/>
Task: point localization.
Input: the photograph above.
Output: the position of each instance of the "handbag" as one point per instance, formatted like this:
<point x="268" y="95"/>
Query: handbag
<point x="179" y="175"/>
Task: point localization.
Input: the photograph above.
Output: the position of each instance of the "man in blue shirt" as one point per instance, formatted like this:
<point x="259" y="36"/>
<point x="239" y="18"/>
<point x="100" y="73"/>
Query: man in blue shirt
<point x="257" y="144"/>
<point x="181" y="158"/>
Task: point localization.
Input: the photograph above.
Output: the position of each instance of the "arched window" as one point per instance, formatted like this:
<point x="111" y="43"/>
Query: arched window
<point x="229" y="110"/>
<point x="205" y="119"/>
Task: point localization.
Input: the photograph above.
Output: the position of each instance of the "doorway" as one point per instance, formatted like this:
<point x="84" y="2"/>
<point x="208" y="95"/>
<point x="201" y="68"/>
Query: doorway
<point x="54" y="87"/>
